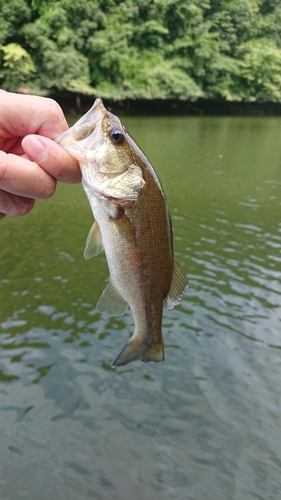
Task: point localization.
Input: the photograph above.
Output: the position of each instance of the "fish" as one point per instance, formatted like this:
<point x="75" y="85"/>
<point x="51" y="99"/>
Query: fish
<point x="132" y="225"/>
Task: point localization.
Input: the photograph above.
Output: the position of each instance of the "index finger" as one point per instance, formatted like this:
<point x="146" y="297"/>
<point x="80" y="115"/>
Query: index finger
<point x="30" y="114"/>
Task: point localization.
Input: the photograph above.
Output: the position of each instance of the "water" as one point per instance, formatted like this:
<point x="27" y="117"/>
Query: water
<point x="203" y="425"/>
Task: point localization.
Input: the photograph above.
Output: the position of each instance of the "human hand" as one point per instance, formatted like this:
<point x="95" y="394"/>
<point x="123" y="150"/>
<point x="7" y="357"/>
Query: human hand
<point x="30" y="161"/>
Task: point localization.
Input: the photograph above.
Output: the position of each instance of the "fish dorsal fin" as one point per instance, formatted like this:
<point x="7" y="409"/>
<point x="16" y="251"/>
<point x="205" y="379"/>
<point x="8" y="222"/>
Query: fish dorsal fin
<point x="94" y="244"/>
<point x="111" y="301"/>
<point x="178" y="285"/>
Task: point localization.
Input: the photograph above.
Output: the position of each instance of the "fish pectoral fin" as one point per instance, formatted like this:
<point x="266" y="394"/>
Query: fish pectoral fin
<point x="135" y="349"/>
<point x="111" y="302"/>
<point x="126" y="186"/>
<point x="178" y="285"/>
<point x="126" y="229"/>
<point x="94" y="244"/>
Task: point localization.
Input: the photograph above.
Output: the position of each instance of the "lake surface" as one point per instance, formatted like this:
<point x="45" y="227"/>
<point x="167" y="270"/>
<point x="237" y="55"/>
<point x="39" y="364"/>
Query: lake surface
<point x="206" y="423"/>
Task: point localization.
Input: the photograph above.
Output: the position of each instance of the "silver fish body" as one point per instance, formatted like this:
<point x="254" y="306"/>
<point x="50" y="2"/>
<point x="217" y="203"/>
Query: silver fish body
<point x="133" y="226"/>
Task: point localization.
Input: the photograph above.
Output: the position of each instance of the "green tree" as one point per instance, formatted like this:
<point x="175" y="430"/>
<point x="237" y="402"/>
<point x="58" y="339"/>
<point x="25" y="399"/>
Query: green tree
<point x="143" y="49"/>
<point x="17" y="66"/>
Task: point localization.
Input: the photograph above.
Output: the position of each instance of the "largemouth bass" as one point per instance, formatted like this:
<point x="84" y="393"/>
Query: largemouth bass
<point x="133" y="226"/>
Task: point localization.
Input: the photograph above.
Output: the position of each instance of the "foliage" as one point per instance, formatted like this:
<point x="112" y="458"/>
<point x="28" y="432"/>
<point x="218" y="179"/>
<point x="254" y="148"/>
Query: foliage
<point x="143" y="49"/>
<point x="17" y="66"/>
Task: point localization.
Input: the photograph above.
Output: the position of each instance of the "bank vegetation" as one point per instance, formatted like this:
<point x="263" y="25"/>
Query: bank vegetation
<point x="143" y="49"/>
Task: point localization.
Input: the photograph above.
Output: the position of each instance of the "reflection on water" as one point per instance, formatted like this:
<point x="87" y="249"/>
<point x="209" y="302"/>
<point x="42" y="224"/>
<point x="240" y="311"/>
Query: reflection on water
<point x="206" y="423"/>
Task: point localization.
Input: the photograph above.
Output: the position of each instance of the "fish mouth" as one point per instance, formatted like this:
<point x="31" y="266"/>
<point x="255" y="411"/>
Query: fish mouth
<point x="84" y="133"/>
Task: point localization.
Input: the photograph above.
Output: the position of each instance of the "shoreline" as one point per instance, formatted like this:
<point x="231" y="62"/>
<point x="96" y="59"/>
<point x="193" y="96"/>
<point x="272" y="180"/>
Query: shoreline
<point x="79" y="104"/>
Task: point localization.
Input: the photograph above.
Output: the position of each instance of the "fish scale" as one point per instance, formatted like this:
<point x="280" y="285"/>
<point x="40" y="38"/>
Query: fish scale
<point x="132" y="225"/>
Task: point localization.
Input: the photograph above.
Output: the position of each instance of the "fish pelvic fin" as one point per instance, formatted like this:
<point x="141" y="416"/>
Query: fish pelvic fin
<point x="135" y="349"/>
<point x="178" y="286"/>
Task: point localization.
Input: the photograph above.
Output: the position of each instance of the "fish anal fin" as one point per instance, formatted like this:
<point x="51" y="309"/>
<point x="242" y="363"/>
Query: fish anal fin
<point x="135" y="349"/>
<point x="178" y="285"/>
<point x="94" y="244"/>
<point x="111" y="302"/>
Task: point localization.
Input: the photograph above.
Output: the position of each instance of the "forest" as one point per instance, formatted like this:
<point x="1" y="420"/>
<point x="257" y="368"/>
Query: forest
<point x="143" y="49"/>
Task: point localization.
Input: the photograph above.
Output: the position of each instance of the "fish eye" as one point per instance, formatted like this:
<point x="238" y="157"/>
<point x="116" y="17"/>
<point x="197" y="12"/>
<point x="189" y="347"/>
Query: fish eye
<point x="116" y="136"/>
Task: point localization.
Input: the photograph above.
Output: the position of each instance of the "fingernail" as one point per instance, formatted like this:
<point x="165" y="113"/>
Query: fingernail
<point x="34" y="148"/>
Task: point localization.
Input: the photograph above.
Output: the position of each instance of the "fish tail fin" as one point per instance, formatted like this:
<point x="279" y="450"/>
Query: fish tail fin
<point x="135" y="349"/>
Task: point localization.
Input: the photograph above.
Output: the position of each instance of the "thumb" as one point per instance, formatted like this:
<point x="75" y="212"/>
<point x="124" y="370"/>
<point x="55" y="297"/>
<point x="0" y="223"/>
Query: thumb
<point x="52" y="158"/>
